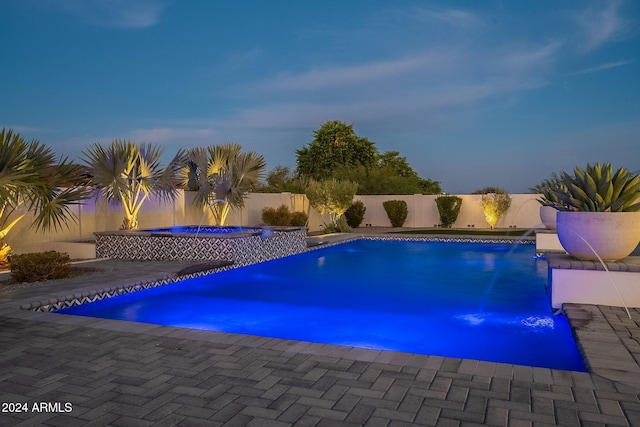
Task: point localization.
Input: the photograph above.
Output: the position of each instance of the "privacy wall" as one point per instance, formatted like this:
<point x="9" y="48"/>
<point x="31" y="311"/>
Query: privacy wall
<point x="95" y="216"/>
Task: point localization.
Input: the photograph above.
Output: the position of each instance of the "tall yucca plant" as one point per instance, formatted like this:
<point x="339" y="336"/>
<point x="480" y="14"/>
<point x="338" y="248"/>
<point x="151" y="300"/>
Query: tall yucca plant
<point x="128" y="173"/>
<point x="222" y="176"/>
<point x="598" y="189"/>
<point x="30" y="176"/>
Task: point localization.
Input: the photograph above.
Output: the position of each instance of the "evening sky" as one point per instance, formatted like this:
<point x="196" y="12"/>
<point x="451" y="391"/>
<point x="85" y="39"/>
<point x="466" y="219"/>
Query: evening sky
<point x="473" y="93"/>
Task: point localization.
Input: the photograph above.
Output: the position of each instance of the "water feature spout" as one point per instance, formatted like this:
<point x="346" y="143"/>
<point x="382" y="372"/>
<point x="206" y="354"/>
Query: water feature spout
<point x="485" y="297"/>
<point x="604" y="265"/>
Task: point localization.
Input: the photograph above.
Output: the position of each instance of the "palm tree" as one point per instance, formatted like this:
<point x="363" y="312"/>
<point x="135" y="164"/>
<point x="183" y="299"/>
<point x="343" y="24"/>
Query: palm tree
<point x="128" y="173"/>
<point x="222" y="176"/>
<point x="31" y="177"/>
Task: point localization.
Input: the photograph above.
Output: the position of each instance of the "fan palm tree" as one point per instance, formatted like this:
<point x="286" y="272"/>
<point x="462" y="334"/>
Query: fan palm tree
<point x="221" y="176"/>
<point x="128" y="173"/>
<point x="31" y="177"/>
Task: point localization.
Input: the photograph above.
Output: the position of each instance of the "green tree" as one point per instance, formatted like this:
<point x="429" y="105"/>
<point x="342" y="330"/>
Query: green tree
<point x="335" y="144"/>
<point x="282" y="179"/>
<point x="393" y="161"/>
<point x="222" y="176"/>
<point x="30" y="176"/>
<point x="391" y="174"/>
<point x="128" y="173"/>
<point x="331" y="197"/>
<point x="429" y="186"/>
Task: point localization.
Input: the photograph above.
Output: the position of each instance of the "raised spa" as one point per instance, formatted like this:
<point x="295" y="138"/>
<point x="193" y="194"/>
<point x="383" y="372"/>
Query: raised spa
<point x="242" y="245"/>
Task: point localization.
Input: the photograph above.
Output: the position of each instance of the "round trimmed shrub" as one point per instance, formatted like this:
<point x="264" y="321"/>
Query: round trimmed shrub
<point x="355" y="214"/>
<point x="397" y="212"/>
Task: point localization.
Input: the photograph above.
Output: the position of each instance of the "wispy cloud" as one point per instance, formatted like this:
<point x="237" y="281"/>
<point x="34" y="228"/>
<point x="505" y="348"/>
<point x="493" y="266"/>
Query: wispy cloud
<point x="332" y="77"/>
<point x="114" y="13"/>
<point x="429" y="82"/>
<point x="452" y="17"/>
<point x="531" y="59"/>
<point x="601" y="67"/>
<point x="602" y="24"/>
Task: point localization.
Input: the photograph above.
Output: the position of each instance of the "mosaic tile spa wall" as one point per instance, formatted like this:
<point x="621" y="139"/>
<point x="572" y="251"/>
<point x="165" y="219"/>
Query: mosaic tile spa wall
<point x="242" y="248"/>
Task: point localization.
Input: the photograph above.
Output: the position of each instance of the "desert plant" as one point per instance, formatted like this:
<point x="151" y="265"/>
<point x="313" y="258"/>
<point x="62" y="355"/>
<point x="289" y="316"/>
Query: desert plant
<point x="280" y="216"/>
<point x="494" y="205"/>
<point x="397" y="212"/>
<point x="340" y="226"/>
<point x="331" y="197"/>
<point x="222" y="177"/>
<point x="448" y="208"/>
<point x="128" y="173"/>
<point x="299" y="219"/>
<point x="31" y="177"/>
<point x="597" y="189"/>
<point x="355" y="214"/>
<point x="39" y="266"/>
<point x="547" y="189"/>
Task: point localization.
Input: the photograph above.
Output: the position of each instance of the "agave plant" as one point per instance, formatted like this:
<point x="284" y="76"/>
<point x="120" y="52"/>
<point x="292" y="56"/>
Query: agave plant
<point x="547" y="188"/>
<point x="128" y="173"/>
<point x="222" y="176"/>
<point x="598" y="189"/>
<point x="31" y="177"/>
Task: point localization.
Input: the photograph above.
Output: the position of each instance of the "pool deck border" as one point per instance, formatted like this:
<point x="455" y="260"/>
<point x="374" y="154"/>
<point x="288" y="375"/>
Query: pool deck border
<point x="138" y="372"/>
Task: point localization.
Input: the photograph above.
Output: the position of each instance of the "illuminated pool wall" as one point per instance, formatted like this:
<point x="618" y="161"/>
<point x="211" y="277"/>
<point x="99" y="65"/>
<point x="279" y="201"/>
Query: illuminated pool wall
<point x="243" y="248"/>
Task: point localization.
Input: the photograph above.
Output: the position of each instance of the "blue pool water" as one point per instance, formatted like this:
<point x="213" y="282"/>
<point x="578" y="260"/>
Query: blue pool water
<point x="467" y="300"/>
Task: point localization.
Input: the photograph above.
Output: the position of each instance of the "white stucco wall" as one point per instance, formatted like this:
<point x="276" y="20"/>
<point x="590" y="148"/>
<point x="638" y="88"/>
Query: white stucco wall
<point x="98" y="216"/>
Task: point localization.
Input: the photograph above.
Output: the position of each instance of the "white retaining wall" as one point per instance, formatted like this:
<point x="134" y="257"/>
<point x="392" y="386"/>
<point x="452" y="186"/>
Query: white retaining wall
<point x="423" y="212"/>
<point x="99" y="216"/>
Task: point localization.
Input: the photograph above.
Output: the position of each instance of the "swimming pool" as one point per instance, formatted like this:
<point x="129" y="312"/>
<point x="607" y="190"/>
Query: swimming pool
<point x="467" y="300"/>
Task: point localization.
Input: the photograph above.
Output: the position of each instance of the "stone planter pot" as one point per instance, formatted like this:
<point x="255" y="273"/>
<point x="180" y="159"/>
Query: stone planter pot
<point x="612" y="235"/>
<point x="548" y="216"/>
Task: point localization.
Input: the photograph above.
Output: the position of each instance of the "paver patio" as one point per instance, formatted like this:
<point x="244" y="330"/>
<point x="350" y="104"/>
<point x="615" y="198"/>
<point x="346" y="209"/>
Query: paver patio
<point x="129" y="374"/>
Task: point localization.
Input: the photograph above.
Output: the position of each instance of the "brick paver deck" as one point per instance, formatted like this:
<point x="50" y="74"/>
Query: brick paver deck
<point x="129" y="374"/>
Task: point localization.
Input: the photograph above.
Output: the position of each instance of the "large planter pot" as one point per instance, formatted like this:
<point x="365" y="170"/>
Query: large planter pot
<point x="612" y="235"/>
<point x="548" y="216"/>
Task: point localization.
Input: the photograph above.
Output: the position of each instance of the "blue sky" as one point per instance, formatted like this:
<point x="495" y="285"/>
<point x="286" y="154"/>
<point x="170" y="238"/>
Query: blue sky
<point x="474" y="94"/>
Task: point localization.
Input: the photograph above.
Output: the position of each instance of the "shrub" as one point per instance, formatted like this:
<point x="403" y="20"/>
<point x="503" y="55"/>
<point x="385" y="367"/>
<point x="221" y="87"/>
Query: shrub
<point x="355" y="214"/>
<point x="495" y="204"/>
<point x="331" y="197"/>
<point x="299" y="219"/>
<point x="448" y="208"/>
<point x="397" y="212"/>
<point x="340" y="226"/>
<point x="280" y="216"/>
<point x="39" y="266"/>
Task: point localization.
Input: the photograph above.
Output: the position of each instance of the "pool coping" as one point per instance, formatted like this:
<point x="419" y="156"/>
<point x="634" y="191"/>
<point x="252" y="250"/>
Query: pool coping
<point x="610" y="348"/>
